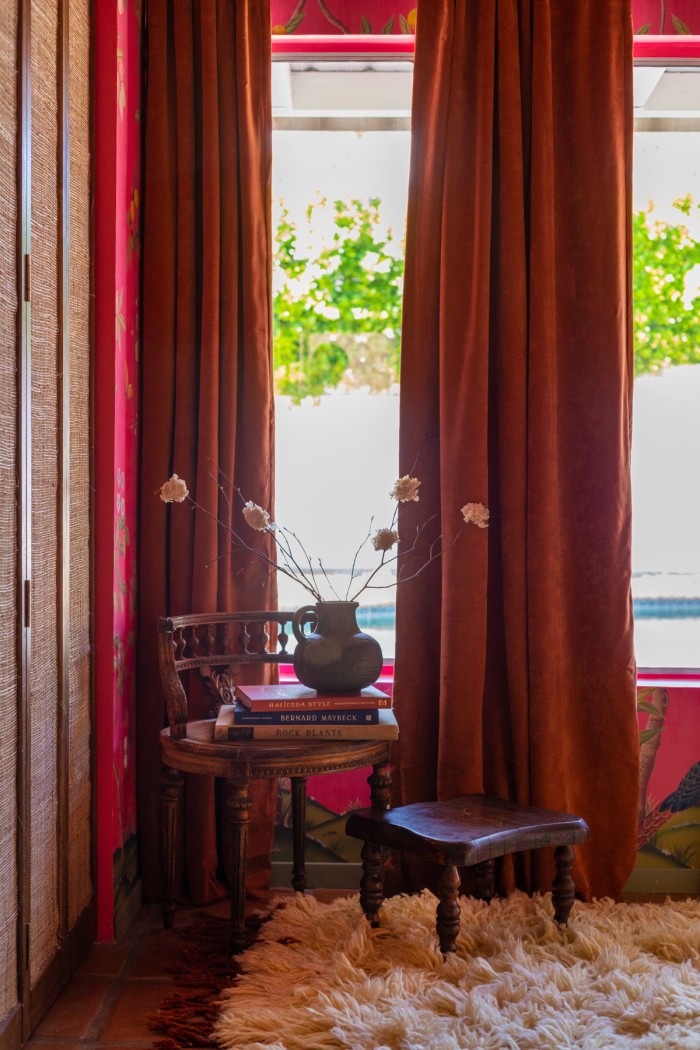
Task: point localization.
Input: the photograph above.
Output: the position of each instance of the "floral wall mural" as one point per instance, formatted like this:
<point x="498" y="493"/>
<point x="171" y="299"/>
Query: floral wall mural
<point x="668" y="837"/>
<point x="665" y="17"/>
<point x="117" y="282"/>
<point x="343" y="16"/>
<point x="652" y="17"/>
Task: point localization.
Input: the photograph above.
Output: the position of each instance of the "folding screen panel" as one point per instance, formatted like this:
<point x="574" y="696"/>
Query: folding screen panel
<point x="47" y="915"/>
<point x="8" y="514"/>
<point x="77" y="674"/>
<point x="43" y="858"/>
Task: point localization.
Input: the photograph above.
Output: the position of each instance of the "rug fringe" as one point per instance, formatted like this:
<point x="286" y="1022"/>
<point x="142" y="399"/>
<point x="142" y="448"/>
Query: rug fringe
<point x="186" y="1018"/>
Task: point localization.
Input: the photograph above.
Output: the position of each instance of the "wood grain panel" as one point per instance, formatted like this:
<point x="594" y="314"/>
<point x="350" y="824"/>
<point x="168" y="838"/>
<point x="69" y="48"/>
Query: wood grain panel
<point x="44" y="844"/>
<point x="8" y="509"/>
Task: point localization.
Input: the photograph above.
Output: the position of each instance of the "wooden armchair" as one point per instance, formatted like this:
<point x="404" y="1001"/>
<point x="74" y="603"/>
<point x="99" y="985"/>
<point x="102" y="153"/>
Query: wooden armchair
<point x="216" y="648"/>
<point x="215" y="645"/>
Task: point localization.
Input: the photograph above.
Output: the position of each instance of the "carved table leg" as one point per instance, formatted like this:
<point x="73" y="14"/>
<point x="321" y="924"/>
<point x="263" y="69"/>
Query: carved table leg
<point x="372" y="881"/>
<point x="171" y="793"/>
<point x="563" y="888"/>
<point x="238" y="804"/>
<point x="484" y="880"/>
<point x="299" y="833"/>
<point x="448" y="909"/>
<point x="380" y="787"/>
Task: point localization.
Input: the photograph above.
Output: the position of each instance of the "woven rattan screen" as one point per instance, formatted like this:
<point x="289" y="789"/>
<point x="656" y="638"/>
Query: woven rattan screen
<point x="44" y="334"/>
<point x="8" y="514"/>
<point x="80" y="887"/>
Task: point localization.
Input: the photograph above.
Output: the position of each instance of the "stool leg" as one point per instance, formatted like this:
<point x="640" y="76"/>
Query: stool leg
<point x="563" y="889"/>
<point x="484" y="880"/>
<point x="238" y="805"/>
<point x="448" y="909"/>
<point x="299" y="833"/>
<point x="372" y="882"/>
<point x="171" y="792"/>
<point x="379" y="782"/>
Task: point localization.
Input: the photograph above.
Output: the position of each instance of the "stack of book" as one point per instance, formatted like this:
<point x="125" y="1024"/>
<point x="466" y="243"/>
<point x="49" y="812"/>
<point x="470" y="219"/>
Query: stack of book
<point x="293" y="712"/>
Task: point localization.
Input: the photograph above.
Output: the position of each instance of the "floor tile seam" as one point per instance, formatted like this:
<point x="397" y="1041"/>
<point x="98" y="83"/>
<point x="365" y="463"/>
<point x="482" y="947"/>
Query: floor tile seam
<point x="117" y="984"/>
<point x="105" y="1011"/>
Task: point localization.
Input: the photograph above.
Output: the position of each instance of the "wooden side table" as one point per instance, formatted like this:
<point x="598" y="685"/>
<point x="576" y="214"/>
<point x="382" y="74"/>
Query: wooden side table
<point x="239" y="763"/>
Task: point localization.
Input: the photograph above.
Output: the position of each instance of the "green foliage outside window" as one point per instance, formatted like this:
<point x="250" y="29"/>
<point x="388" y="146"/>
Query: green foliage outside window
<point x="337" y="311"/>
<point x="666" y="294"/>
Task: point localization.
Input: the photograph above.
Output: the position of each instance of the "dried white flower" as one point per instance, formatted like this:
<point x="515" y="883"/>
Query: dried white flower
<point x="256" y="517"/>
<point x="384" y="539"/>
<point x="476" y="514"/>
<point x="174" y="490"/>
<point x="405" y="489"/>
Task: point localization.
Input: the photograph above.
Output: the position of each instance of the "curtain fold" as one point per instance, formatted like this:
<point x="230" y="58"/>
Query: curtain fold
<point x="208" y="410"/>
<point x="516" y="384"/>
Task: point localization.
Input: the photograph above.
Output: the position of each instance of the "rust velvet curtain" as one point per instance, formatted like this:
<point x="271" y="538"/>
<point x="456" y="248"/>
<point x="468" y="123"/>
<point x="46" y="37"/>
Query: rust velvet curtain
<point x="207" y="361"/>
<point x="516" y="391"/>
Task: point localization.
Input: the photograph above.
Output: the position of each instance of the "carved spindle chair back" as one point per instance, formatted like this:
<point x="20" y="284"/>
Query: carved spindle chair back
<point x="215" y="646"/>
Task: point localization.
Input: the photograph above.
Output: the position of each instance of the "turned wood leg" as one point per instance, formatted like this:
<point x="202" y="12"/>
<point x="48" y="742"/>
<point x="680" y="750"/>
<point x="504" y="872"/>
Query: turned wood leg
<point x="448" y="909"/>
<point x="380" y="787"/>
<point x="484" y="880"/>
<point x="563" y="889"/>
<point x="372" y="882"/>
<point x="238" y="805"/>
<point x="299" y="833"/>
<point x="172" y="783"/>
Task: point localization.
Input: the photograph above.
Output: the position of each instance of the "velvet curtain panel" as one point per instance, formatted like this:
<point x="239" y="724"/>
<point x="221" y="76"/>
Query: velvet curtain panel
<point x="207" y="364"/>
<point x="516" y="384"/>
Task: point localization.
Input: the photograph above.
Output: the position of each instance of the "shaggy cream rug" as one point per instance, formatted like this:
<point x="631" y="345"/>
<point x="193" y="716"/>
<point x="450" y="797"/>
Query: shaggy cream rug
<point x="621" y="975"/>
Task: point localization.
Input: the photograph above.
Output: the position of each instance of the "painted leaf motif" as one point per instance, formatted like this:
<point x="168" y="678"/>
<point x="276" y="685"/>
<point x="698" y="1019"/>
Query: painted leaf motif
<point x="366" y="25"/>
<point x="388" y="26"/>
<point x="295" y="22"/>
<point x="643" y="30"/>
<point x="331" y="18"/>
<point x="680" y="26"/>
<point x="405" y="27"/>
<point x="648" y="734"/>
<point x="649" y="708"/>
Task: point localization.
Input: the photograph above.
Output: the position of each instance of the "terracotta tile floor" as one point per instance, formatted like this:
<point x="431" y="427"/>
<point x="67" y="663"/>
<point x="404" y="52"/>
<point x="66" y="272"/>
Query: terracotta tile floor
<point x="107" y="1003"/>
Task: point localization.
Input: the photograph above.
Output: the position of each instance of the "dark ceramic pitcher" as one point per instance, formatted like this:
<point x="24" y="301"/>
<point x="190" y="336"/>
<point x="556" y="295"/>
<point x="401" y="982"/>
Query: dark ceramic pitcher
<point x="335" y="656"/>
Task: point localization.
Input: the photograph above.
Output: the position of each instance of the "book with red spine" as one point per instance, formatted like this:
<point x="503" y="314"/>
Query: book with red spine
<point x="292" y="696"/>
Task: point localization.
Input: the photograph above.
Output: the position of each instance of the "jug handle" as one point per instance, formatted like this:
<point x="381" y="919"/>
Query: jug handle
<point x="307" y="614"/>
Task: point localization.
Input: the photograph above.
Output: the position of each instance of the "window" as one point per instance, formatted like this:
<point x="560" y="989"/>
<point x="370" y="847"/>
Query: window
<point x="666" y="432"/>
<point x="342" y="134"/>
<point x="340" y="179"/>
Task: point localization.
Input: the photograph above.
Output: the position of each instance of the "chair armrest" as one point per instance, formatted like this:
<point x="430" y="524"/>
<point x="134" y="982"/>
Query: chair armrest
<point x="175" y="696"/>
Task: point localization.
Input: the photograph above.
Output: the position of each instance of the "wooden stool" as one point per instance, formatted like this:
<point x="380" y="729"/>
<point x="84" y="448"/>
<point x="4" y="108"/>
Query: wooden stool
<point x="463" y="832"/>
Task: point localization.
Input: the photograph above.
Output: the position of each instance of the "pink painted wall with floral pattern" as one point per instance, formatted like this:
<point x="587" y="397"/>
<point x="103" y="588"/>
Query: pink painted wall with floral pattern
<point x="118" y="26"/>
<point x="654" y="17"/>
<point x="666" y="17"/>
<point x="343" y="16"/>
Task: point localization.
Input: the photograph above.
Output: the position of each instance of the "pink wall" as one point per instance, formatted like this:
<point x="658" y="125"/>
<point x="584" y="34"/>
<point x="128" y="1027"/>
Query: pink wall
<point x="655" y="17"/>
<point x="343" y="16"/>
<point x="117" y="256"/>
<point x="664" y="17"/>
<point x="669" y="723"/>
